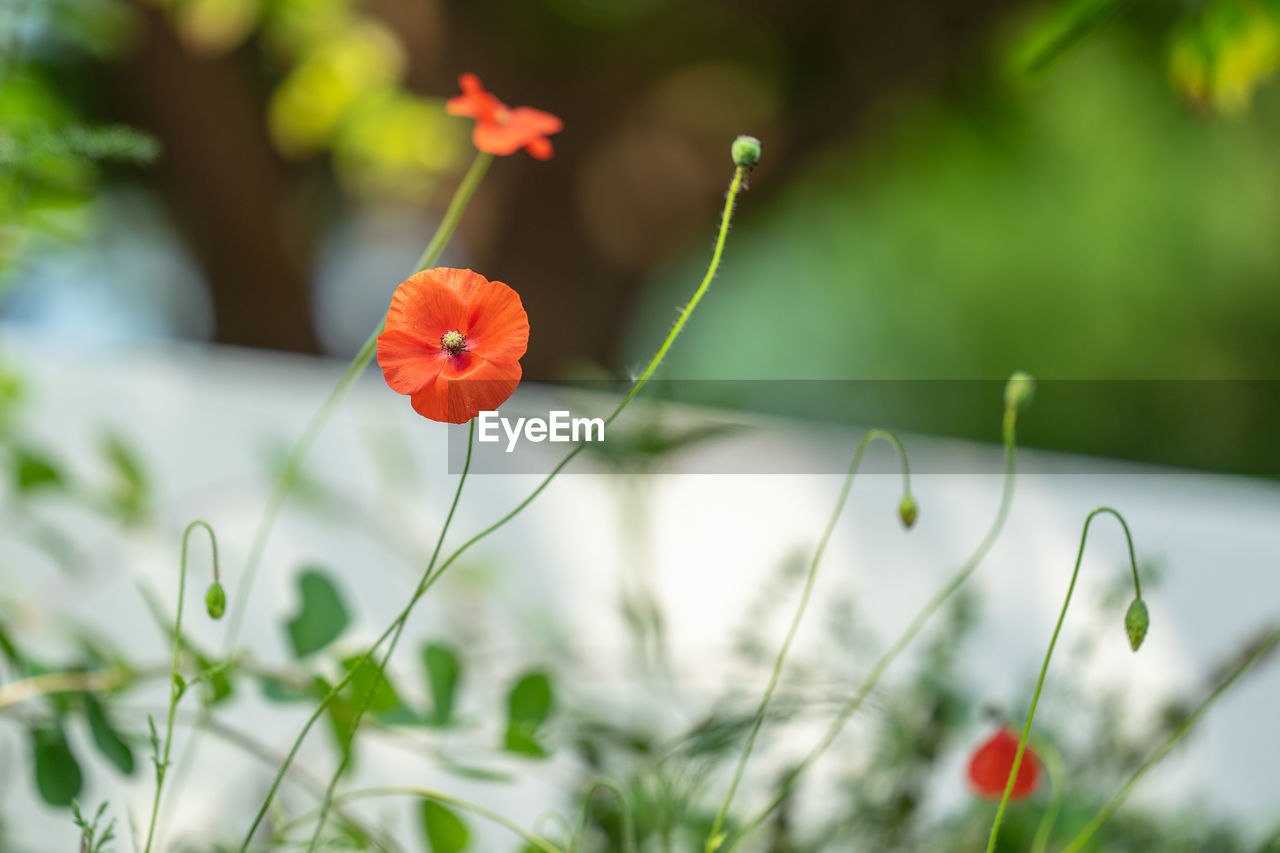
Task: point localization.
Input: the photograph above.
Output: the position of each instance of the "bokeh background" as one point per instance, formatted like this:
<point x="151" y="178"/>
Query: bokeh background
<point x="950" y="190"/>
<point x="1086" y="189"/>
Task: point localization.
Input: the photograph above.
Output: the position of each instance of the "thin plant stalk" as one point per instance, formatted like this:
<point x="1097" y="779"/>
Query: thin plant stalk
<point x="628" y="821"/>
<point x="395" y="639"/>
<point x="1053" y="641"/>
<point x="735" y="186"/>
<point x="176" y="687"/>
<point x="716" y="837"/>
<point x="293" y="464"/>
<point x="904" y="640"/>
<point x="1267" y="645"/>
<point x="1057" y="792"/>
<point x="446" y="799"/>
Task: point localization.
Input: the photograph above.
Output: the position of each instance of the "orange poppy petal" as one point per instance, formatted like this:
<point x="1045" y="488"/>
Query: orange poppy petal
<point x="407" y="364"/>
<point x="525" y="126"/>
<point x="430" y="303"/>
<point x="539" y="149"/>
<point x="456" y="400"/>
<point x="990" y="766"/>
<point x="497" y="326"/>
<point x="535" y="121"/>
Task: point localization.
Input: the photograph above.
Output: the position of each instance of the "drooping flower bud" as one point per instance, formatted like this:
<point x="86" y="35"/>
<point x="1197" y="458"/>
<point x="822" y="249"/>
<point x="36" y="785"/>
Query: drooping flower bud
<point x="746" y="151"/>
<point x="1136" y="621"/>
<point x="1019" y="390"/>
<point x="907" y="511"/>
<point x="215" y="601"/>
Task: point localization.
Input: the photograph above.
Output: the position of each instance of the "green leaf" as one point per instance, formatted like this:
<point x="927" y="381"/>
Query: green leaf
<point x="528" y="706"/>
<point x="129" y="493"/>
<point x="443" y="671"/>
<point x="370" y="685"/>
<point x="33" y="472"/>
<point x="57" y="772"/>
<point x="444" y="831"/>
<point x="276" y="690"/>
<point x="216" y="687"/>
<point x="323" y="616"/>
<point x="108" y="741"/>
<point x="1062" y="29"/>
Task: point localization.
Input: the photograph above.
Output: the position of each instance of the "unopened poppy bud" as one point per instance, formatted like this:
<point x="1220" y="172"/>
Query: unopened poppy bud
<point x="907" y="511"/>
<point x="215" y="600"/>
<point x="1019" y="390"/>
<point x="746" y="152"/>
<point x="1136" y="621"/>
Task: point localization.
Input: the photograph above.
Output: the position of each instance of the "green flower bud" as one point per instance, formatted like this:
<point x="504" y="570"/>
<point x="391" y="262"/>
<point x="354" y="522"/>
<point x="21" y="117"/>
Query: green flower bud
<point x="215" y="601"/>
<point x="907" y="511"/>
<point x="1019" y="390"/>
<point x="1136" y="621"/>
<point x="746" y="152"/>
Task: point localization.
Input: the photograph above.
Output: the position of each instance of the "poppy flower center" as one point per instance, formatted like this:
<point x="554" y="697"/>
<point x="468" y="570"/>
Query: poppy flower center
<point x="453" y="342"/>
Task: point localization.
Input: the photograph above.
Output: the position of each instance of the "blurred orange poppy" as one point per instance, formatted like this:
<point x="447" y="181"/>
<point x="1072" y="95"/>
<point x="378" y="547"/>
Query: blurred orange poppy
<point x="991" y="764"/>
<point x="453" y="343"/>
<point x="500" y="129"/>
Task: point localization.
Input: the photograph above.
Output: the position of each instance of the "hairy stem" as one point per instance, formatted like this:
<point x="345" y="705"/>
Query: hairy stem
<point x="899" y="645"/>
<point x="1044" y="668"/>
<point x="395" y="639"/>
<point x="176" y="689"/>
<point x="293" y="464"/>
<point x="734" y="187"/>
<point x="715" y="837"/>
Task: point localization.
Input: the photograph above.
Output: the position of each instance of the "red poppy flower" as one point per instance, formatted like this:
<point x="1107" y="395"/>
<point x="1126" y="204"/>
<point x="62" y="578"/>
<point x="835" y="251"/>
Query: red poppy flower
<point x="500" y="129"/>
<point x="453" y="343"/>
<point x="991" y="764"/>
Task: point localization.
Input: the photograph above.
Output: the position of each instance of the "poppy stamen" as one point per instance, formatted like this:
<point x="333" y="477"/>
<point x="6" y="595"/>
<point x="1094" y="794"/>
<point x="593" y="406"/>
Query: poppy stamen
<point x="454" y="342"/>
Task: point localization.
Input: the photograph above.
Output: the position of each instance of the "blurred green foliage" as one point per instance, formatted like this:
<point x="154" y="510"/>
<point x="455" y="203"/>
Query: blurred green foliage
<point x="1089" y="229"/>
<point x="339" y="88"/>
<point x="1093" y="230"/>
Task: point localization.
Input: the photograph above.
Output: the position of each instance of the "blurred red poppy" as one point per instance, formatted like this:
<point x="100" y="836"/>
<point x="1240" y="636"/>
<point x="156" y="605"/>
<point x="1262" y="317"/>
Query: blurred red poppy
<point x="453" y="342"/>
<point x="991" y="764"/>
<point x="500" y="129"/>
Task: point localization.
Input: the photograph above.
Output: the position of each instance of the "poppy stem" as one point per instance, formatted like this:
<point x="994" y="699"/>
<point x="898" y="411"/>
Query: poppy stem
<point x="293" y="464"/>
<point x="429" y="579"/>
<point x="395" y="639"/>
<point x="176" y="686"/>
<point x="716" y="836"/>
<point x="534" y="841"/>
<point x="1057" y="784"/>
<point x="628" y="821"/>
<point x="1268" y="644"/>
<point x="926" y="613"/>
<point x="1044" y="669"/>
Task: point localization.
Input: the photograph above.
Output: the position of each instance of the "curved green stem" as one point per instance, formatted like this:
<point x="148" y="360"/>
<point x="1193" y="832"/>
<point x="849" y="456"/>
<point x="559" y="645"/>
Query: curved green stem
<point x="293" y="464"/>
<point x="1057" y="783"/>
<point x="428" y="794"/>
<point x="716" y="837"/>
<point x="734" y="187"/>
<point x="395" y="639"/>
<point x="891" y="654"/>
<point x="176" y="688"/>
<point x="1044" y="668"/>
<point x="628" y="822"/>
<point x="1268" y="644"/>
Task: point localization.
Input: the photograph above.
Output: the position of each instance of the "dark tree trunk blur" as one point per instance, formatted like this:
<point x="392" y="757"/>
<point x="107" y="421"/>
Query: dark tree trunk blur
<point x="629" y="185"/>
<point x="228" y="189"/>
